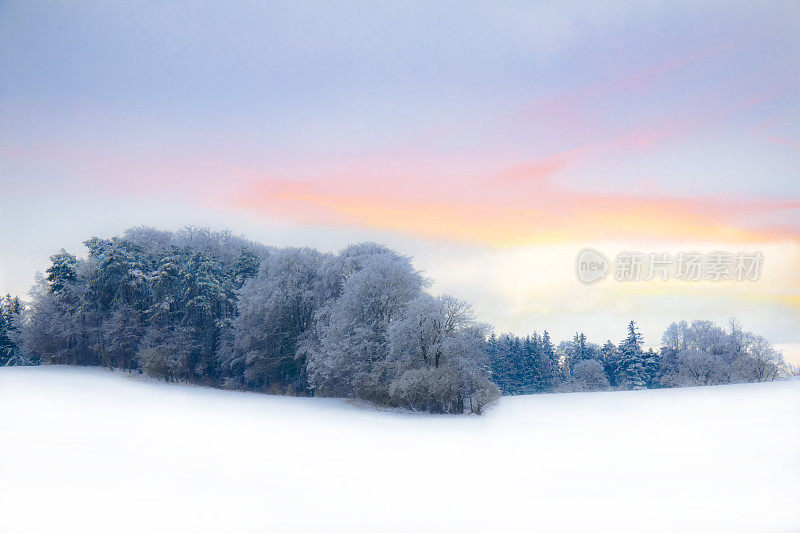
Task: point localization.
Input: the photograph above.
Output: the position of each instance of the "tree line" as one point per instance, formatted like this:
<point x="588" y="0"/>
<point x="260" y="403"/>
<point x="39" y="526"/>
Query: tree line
<point x="216" y="309"/>
<point x="212" y="308"/>
<point x="691" y="354"/>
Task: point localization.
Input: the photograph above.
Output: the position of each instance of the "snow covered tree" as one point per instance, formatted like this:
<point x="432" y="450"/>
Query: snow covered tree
<point x="351" y="337"/>
<point x="651" y="364"/>
<point x="588" y="375"/>
<point x="10" y="324"/>
<point x="275" y="309"/>
<point x="574" y="351"/>
<point x="168" y="280"/>
<point x="52" y="332"/>
<point x="246" y="267"/>
<point x="756" y="359"/>
<point x="209" y="306"/>
<point x="419" y="337"/>
<point x="62" y="272"/>
<point x="549" y="354"/>
<point x="698" y="368"/>
<point x="535" y="368"/>
<point x="702" y="353"/>
<point x="583" y="350"/>
<point x="438" y="358"/>
<point x="523" y="365"/>
<point x="98" y="309"/>
<point x="504" y="360"/>
<point x="609" y="356"/>
<point x="673" y="341"/>
<point x="497" y="363"/>
<point x="166" y="353"/>
<point x="121" y="332"/>
<point x="631" y="359"/>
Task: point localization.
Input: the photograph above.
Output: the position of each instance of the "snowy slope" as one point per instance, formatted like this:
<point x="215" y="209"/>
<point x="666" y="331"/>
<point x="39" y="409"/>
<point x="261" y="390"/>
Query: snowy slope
<point x="90" y="450"/>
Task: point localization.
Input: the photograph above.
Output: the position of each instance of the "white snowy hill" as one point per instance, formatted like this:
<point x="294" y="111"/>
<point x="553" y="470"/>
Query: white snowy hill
<point x="88" y="450"/>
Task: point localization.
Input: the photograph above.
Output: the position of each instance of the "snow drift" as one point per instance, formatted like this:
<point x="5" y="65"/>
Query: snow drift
<point x="92" y="450"/>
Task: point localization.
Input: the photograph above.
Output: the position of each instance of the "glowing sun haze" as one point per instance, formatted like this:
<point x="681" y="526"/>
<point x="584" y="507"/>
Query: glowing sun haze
<point x="491" y="142"/>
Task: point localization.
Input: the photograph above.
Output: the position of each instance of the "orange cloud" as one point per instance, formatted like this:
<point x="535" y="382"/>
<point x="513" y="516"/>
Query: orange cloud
<point x="539" y="214"/>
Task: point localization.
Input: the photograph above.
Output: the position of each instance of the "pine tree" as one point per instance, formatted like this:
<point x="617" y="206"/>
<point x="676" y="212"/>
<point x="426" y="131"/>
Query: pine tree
<point x="209" y="305"/>
<point x="610" y="358"/>
<point x="632" y="359"/>
<point x="501" y="363"/>
<point x="167" y="287"/>
<point x="10" y="310"/>
<point x="529" y="366"/>
<point x="652" y="368"/>
<point x="517" y="367"/>
<point x="542" y="378"/>
<point x="246" y="267"/>
<point x="578" y="351"/>
<point x="97" y="246"/>
<point x="551" y="358"/>
<point x="496" y="370"/>
<point x="63" y="271"/>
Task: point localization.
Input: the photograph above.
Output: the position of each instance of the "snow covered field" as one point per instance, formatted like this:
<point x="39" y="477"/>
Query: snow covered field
<point x="91" y="450"/>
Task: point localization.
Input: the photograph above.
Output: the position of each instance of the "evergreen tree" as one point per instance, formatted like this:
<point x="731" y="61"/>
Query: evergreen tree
<point x="209" y="304"/>
<point x="651" y="362"/>
<point x="609" y="356"/>
<point x="518" y="365"/>
<point x="551" y="358"/>
<point x="632" y="359"/>
<point x="499" y="364"/>
<point x="516" y="375"/>
<point x="10" y="314"/>
<point x="543" y="376"/>
<point x="168" y="287"/>
<point x="62" y="272"/>
<point x="246" y="267"/>
<point x="529" y="367"/>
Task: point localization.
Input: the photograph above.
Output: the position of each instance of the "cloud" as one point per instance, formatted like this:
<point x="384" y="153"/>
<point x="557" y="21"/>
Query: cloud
<point x="518" y="214"/>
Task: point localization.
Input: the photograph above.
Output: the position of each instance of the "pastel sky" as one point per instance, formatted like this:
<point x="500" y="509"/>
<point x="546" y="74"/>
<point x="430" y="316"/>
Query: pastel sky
<point x="490" y="141"/>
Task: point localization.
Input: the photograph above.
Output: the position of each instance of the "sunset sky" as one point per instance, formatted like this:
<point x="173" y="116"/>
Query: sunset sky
<point x="490" y="141"/>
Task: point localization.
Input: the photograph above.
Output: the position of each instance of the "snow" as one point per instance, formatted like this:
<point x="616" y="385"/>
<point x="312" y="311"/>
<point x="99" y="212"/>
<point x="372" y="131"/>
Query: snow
<point x="90" y="450"/>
